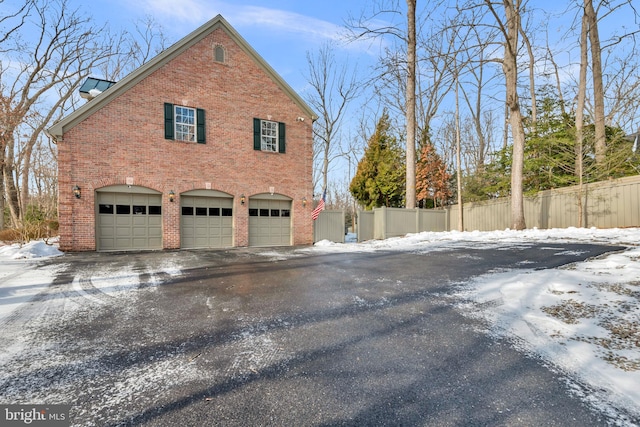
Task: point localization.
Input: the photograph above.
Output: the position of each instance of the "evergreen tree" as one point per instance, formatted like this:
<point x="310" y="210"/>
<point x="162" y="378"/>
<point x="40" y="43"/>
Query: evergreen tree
<point x="380" y="177"/>
<point x="550" y="156"/>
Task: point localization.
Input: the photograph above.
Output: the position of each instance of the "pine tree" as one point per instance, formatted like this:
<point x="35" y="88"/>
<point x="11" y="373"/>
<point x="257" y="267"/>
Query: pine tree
<point x="380" y="177"/>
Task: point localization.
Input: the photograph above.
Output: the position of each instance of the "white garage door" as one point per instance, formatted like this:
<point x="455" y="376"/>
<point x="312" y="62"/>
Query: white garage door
<point x="269" y="222"/>
<point x="206" y="222"/>
<point x="128" y="221"/>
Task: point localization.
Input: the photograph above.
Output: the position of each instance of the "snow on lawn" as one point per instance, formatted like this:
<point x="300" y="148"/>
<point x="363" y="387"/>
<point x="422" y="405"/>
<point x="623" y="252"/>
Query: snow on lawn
<point x="19" y="280"/>
<point x="582" y="318"/>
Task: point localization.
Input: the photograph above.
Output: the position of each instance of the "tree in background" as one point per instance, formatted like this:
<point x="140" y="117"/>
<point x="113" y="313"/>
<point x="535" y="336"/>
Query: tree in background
<point x="370" y="27"/>
<point x="379" y="178"/>
<point x="433" y="182"/>
<point x="48" y="49"/>
<point x="333" y="87"/>
<point x="550" y="155"/>
<point x="510" y="25"/>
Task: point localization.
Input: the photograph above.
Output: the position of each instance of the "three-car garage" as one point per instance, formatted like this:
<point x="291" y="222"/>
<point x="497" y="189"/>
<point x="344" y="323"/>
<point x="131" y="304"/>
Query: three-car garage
<point x="131" y="218"/>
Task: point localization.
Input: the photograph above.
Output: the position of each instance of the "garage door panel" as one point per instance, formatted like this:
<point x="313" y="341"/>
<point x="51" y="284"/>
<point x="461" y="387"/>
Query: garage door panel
<point x="140" y="232"/>
<point x="269" y="222"/>
<point x="107" y="221"/>
<point x="202" y="224"/>
<point x="124" y="221"/>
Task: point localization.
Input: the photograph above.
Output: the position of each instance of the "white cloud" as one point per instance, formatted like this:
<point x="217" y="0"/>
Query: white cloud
<point x="244" y="18"/>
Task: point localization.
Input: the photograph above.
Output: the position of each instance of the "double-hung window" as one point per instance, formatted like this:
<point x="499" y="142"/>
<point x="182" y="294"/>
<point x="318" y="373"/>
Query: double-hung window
<point x="268" y="136"/>
<point x="184" y="123"/>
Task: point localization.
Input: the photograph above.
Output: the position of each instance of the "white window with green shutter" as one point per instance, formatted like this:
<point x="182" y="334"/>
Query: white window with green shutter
<point x="184" y="123"/>
<point x="269" y="136"/>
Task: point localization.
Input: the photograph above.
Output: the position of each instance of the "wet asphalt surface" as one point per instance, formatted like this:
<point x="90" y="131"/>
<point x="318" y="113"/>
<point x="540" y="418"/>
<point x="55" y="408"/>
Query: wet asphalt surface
<point x="280" y="337"/>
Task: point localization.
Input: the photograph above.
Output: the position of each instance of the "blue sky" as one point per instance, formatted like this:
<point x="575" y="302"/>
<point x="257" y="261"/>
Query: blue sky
<point x="281" y="31"/>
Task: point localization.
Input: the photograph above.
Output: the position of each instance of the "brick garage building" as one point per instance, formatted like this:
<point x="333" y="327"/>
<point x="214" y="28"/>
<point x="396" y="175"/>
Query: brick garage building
<point x="204" y="146"/>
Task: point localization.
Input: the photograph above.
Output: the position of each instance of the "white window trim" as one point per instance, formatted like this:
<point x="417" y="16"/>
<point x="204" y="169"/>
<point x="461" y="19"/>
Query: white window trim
<point x="191" y="134"/>
<point x="269" y="141"/>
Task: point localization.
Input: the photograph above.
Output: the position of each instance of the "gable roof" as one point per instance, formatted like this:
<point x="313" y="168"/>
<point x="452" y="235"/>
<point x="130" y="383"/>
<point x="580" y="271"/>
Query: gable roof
<point x="133" y="78"/>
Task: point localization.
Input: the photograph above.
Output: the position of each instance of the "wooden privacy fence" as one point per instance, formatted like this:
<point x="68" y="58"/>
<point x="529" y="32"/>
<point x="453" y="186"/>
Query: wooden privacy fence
<point x="383" y="223"/>
<point x="330" y="225"/>
<point x="606" y="204"/>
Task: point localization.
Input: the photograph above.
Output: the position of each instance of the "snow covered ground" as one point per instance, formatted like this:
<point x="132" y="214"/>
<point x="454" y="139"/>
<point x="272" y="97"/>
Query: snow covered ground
<point x="582" y="319"/>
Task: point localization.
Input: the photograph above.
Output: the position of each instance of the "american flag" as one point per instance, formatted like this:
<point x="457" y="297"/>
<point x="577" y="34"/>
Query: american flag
<point x="320" y="206"/>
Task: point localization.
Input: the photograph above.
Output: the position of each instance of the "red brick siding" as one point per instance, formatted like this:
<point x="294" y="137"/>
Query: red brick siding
<point x="126" y="139"/>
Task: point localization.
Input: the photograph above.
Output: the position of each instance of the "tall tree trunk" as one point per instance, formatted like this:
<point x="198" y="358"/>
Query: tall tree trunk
<point x="598" y="87"/>
<point x="510" y="68"/>
<point x="558" y="82"/>
<point x="2" y="187"/>
<point x="24" y="176"/>
<point x="458" y="159"/>
<point x="505" y="132"/>
<point x="582" y="91"/>
<point x="411" y="105"/>
<point x="11" y="190"/>
<point x="532" y="82"/>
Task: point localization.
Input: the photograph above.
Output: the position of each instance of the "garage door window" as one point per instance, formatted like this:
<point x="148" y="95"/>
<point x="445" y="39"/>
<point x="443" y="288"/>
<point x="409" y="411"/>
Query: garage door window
<point x="139" y="210"/>
<point x="273" y="213"/>
<point x="200" y="211"/>
<point x="126" y="210"/>
<point x="123" y="209"/>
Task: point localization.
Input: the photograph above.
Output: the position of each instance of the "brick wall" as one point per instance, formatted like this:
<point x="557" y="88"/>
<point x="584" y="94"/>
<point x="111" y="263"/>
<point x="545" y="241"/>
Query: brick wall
<point x="125" y="140"/>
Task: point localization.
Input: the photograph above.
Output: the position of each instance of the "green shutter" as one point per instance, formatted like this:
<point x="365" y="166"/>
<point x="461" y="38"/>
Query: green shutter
<point x="200" y="128"/>
<point x="257" y="143"/>
<point x="168" y="121"/>
<point x="281" y="138"/>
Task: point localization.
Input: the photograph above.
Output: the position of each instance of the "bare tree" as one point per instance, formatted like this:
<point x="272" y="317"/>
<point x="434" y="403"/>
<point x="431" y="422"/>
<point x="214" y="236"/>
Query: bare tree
<point x="333" y="88"/>
<point x="49" y="51"/>
<point x="411" y="105"/>
<point x="135" y="48"/>
<point x="510" y="27"/>
<point x="532" y="75"/>
<point x="582" y="91"/>
<point x="362" y="27"/>
<point x="473" y="89"/>
<point x="598" y="87"/>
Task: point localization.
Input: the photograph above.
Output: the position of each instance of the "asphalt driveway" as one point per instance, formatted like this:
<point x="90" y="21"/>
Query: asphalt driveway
<point x="281" y="337"/>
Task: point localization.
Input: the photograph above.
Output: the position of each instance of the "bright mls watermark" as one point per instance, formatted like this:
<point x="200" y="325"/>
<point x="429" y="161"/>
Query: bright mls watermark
<point x="35" y="415"/>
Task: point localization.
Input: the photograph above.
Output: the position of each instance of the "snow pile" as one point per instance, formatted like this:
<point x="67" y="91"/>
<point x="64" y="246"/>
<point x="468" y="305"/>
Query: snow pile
<point x="31" y="250"/>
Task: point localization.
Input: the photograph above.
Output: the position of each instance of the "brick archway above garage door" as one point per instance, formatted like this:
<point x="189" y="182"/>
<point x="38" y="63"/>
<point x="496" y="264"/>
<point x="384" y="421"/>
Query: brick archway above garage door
<point x="128" y="218"/>
<point x="206" y="219"/>
<point x="269" y="220"/>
